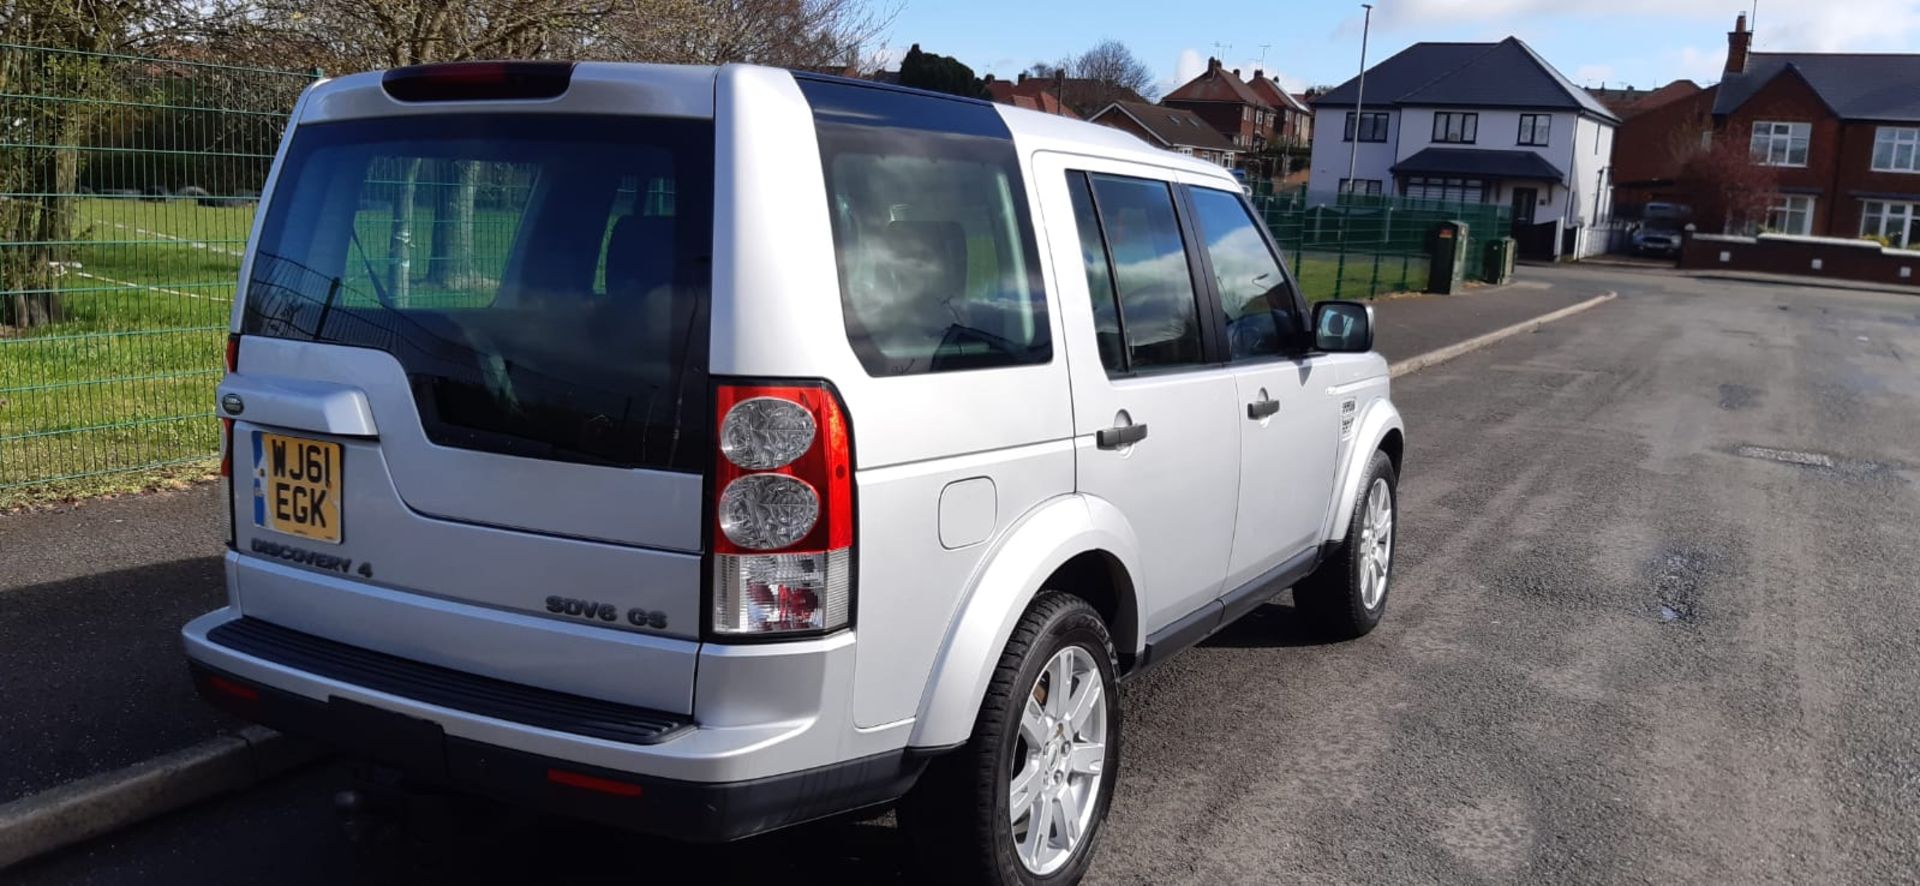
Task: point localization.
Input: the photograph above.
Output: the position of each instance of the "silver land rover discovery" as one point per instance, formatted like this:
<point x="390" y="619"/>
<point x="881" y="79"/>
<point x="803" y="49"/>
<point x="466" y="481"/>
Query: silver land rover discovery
<point x="710" y="450"/>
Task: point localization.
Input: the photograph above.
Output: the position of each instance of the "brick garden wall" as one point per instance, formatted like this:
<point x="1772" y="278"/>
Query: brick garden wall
<point x="1803" y="256"/>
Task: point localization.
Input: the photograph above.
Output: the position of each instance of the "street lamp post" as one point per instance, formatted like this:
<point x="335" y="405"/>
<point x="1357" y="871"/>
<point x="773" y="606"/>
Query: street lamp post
<point x="1359" y="101"/>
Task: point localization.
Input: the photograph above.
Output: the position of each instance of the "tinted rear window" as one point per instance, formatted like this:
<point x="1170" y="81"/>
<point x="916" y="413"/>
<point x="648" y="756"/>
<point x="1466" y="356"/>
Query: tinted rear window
<point x="938" y="268"/>
<point x="543" y="279"/>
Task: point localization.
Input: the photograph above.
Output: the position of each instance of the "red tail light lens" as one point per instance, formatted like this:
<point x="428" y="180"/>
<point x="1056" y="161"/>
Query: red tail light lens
<point x="226" y="424"/>
<point x="783" y="511"/>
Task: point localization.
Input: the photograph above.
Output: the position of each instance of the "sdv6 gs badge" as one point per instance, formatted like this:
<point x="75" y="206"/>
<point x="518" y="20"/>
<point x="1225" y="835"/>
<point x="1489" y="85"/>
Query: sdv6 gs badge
<point x="589" y="609"/>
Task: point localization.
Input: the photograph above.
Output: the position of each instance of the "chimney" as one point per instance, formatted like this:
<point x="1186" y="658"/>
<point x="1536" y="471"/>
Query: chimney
<point x="1213" y="65"/>
<point x="1739" y="44"/>
<point x="1258" y="73"/>
<point x="1023" y="77"/>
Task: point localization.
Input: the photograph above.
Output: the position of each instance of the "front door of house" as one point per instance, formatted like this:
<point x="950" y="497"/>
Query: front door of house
<point x="1524" y="202"/>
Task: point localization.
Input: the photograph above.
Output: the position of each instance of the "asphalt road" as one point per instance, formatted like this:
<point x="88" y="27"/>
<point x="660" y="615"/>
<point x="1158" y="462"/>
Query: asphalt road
<point x="1653" y="620"/>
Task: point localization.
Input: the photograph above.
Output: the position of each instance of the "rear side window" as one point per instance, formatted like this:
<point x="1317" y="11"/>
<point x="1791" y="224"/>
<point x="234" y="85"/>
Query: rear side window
<point x="543" y="280"/>
<point x="931" y="231"/>
<point x="1157" y="312"/>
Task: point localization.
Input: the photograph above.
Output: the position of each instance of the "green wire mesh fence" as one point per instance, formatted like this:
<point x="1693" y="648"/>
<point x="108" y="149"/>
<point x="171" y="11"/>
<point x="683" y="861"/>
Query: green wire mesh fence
<point x="127" y="190"/>
<point x="1362" y="247"/>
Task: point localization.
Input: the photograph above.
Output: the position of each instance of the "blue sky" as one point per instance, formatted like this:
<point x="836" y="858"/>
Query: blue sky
<point x="1640" y="42"/>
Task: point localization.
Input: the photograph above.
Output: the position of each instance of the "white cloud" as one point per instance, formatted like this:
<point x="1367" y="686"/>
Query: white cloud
<point x="1594" y="75"/>
<point x="1699" y="65"/>
<point x="1191" y="64"/>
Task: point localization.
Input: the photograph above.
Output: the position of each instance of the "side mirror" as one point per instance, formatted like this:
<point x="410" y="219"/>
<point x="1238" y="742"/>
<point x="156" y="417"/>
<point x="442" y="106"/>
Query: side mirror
<point x="1343" y="327"/>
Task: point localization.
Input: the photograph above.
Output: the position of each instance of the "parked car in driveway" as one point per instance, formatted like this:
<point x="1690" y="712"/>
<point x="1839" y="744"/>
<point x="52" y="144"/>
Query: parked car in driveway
<point x="710" y="450"/>
<point x="1659" y="233"/>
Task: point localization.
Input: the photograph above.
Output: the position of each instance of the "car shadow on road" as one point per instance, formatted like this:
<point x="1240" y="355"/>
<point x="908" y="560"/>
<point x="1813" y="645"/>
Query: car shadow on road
<point x="565" y="851"/>
<point x="1277" y="625"/>
<point x="92" y="674"/>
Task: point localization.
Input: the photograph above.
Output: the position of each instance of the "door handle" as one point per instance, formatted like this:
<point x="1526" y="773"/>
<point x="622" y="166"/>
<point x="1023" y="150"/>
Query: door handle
<point x="1262" y="409"/>
<point x="1121" y="437"/>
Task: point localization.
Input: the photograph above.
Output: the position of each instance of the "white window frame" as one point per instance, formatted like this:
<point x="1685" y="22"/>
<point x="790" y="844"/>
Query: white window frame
<point x="1785" y="207"/>
<point x="1878" y="218"/>
<point x="1776" y="143"/>
<point x="1369" y="187"/>
<point x="1894" y="143"/>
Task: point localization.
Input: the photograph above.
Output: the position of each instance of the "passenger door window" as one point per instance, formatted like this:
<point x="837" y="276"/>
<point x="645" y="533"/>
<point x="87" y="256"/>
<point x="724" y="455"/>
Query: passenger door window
<point x="1262" y="319"/>
<point x="1155" y="313"/>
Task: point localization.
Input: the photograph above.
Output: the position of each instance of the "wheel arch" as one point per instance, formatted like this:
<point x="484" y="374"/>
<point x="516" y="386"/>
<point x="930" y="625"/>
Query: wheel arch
<point x="1076" y="544"/>
<point x="1380" y="429"/>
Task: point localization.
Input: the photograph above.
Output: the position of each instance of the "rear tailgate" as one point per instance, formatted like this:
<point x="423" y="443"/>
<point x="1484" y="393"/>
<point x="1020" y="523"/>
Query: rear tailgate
<point x="472" y="385"/>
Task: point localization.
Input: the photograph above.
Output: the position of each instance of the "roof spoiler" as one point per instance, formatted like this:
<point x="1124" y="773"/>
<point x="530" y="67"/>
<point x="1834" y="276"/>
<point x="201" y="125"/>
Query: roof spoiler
<point x="478" y="81"/>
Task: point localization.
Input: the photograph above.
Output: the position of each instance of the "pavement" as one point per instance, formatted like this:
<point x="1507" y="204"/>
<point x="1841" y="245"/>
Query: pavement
<point x="1412" y="325"/>
<point x="1649" y="623"/>
<point x="92" y="597"/>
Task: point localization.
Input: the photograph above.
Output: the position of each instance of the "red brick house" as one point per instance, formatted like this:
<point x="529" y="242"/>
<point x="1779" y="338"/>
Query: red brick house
<point x="1173" y="129"/>
<point x="1839" y="132"/>
<point x="1069" y="95"/>
<point x="1654" y="144"/>
<point x="1033" y="98"/>
<point x="1293" y="123"/>
<point x="1628" y="103"/>
<point x="1226" y="102"/>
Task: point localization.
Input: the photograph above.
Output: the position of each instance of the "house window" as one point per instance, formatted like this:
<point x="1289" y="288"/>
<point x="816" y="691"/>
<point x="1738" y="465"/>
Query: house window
<point x="1368" y="187"/>
<point x="1897" y="223"/>
<point x="1791" y="215"/>
<point x="1896" y="150"/>
<point x="1458" y="129"/>
<point x="1536" y="130"/>
<point x="1446" y="190"/>
<point x="1373" y="127"/>
<point x="1781" y="144"/>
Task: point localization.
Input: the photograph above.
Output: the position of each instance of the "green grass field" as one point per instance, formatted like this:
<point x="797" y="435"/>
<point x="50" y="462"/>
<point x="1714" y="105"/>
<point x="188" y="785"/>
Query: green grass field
<point x="126" y="378"/>
<point x="1322" y="276"/>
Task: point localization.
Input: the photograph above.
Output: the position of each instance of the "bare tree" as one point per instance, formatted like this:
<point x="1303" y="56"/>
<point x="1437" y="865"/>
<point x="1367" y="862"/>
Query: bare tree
<point x="1112" y="70"/>
<point x="790" y="33"/>
<point x="1724" y="180"/>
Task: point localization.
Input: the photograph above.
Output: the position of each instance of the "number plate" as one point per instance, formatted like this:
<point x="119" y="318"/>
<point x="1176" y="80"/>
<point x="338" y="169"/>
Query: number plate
<point x="296" y="486"/>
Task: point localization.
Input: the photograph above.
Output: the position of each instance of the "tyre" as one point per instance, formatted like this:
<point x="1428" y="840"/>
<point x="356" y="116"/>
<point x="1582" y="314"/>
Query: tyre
<point x="1022" y="802"/>
<point x="1345" y="598"/>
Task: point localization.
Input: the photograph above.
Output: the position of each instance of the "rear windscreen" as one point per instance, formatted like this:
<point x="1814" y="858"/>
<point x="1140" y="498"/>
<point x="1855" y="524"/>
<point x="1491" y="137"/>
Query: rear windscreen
<point x="543" y="279"/>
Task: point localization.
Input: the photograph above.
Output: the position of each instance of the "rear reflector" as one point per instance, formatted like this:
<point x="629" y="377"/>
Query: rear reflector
<point x="592" y="783"/>
<point x="478" y="81"/>
<point x="229" y="688"/>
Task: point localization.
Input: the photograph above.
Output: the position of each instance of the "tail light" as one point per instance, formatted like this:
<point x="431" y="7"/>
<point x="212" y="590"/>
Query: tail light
<point x="226" y="424"/>
<point x="782" y="511"/>
<point x="226" y="447"/>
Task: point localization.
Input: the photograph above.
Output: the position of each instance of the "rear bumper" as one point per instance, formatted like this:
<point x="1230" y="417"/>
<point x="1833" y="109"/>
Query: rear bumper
<point x="769" y="741"/>
<point x="683" y="810"/>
